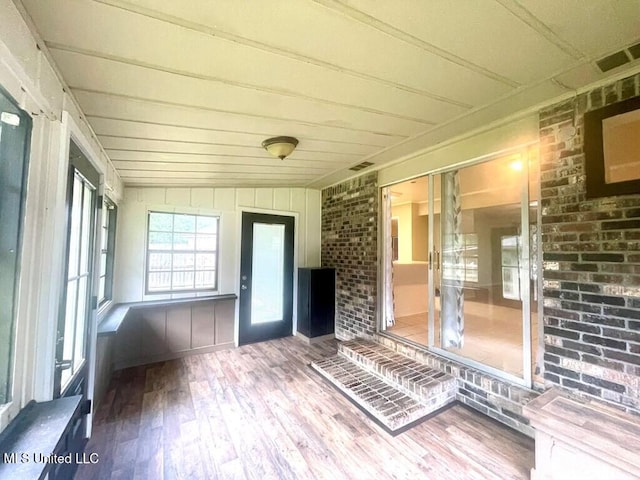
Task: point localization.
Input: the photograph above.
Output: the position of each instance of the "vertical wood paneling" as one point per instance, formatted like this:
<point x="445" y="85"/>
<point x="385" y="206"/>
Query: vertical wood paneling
<point x="245" y="197"/>
<point x="154" y="196"/>
<point x="202" y="197"/>
<point x="130" y="247"/>
<point x="229" y="244"/>
<point x="178" y="196"/>
<point x="202" y="325"/>
<point x="224" y="199"/>
<point x="179" y="328"/>
<point x="127" y="344"/>
<point x="153" y="332"/>
<point x="264" y="198"/>
<point x="225" y="315"/>
<point x="282" y="199"/>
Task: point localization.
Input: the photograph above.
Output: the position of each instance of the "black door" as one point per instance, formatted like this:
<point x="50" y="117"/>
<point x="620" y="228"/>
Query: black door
<point x="266" y="277"/>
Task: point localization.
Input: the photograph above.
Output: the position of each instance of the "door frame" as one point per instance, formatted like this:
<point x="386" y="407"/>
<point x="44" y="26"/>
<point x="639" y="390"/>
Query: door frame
<point x="296" y="223"/>
<point x="527" y="152"/>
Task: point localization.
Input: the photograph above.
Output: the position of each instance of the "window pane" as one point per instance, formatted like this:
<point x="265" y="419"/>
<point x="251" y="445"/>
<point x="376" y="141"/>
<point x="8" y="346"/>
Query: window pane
<point x="183" y="261"/>
<point x="481" y="312"/>
<point x="184" y="241"/>
<point x="205" y="261"/>
<point x="184" y="223"/>
<point x="81" y="315"/>
<point x="160" y="222"/>
<point x="206" y="279"/>
<point x="15" y="126"/>
<point x="76" y="214"/>
<point x="159" y="261"/>
<point x="69" y="320"/>
<point x="103" y="263"/>
<point x="159" y="281"/>
<point x="206" y="243"/>
<point x="267" y="274"/>
<point x="101" y="286"/>
<point x="183" y="280"/>
<point x="207" y="224"/>
<point x="509" y="251"/>
<point x="105" y="227"/>
<point x="86" y="228"/>
<point x="159" y="241"/>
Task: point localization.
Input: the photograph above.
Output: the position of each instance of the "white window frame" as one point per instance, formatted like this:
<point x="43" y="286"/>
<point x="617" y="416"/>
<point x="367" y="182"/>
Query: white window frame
<point x="171" y="251"/>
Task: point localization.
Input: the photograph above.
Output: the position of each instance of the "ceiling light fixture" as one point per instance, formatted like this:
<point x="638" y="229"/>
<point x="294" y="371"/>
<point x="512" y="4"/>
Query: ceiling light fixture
<point x="280" y="147"/>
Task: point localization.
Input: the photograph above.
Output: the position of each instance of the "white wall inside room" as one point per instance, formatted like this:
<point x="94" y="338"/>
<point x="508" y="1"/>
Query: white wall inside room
<point x="228" y="203"/>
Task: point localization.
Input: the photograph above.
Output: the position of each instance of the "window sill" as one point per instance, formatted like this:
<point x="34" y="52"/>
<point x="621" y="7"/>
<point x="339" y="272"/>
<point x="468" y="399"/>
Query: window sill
<point x="35" y="434"/>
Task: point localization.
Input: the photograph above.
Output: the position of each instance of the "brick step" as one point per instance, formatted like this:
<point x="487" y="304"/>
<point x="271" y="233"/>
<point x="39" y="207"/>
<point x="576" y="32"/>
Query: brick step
<point x="392" y="409"/>
<point x="395" y="390"/>
<point x="422" y="382"/>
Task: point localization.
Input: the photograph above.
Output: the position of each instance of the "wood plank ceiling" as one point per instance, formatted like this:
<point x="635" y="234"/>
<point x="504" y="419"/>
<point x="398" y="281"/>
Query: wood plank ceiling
<point x="182" y="93"/>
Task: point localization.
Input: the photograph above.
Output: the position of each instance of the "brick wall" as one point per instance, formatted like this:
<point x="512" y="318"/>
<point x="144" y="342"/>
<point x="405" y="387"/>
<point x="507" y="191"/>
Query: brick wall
<point x="489" y="395"/>
<point x="349" y="244"/>
<point x="591" y="270"/>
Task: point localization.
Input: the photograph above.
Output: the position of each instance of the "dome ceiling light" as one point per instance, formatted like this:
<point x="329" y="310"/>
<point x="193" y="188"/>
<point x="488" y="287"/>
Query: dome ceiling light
<point x="280" y="147"/>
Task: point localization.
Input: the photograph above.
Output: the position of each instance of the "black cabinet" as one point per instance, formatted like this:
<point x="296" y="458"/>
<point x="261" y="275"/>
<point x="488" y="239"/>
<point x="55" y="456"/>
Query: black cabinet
<point x="316" y="301"/>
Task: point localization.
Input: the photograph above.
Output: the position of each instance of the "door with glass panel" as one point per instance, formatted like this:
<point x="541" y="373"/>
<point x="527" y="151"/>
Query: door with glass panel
<point x="266" y="277"/>
<point x="77" y="305"/>
<point x="473" y="298"/>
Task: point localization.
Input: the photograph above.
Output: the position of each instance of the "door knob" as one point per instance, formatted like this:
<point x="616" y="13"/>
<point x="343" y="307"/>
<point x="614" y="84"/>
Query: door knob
<point x="243" y="287"/>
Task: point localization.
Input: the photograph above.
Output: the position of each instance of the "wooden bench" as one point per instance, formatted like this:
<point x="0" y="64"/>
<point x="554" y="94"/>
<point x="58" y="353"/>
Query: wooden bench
<point x="585" y="439"/>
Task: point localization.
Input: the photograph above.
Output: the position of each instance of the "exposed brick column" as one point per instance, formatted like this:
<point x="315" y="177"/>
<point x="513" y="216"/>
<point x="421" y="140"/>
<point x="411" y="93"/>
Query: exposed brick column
<point x="350" y="245"/>
<point x="591" y="260"/>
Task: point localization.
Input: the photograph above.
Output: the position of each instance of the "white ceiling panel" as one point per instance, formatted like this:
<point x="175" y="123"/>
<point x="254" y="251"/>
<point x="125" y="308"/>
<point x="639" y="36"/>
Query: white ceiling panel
<point x="169" y="47"/>
<point x="306" y="30"/>
<point x="197" y="141"/>
<point x="117" y="107"/>
<point x="283" y="167"/>
<point x="183" y="93"/>
<point x="595" y="27"/>
<point x="299" y="159"/>
<point x="267" y="163"/>
<point x="114" y="77"/>
<point x="471" y="32"/>
<point x="136" y="144"/>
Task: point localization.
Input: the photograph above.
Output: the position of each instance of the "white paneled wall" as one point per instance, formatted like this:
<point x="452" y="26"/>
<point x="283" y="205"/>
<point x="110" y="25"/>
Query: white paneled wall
<point x="229" y="204"/>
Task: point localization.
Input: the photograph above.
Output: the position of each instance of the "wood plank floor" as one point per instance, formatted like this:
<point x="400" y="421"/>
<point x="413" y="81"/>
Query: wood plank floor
<point x="259" y="411"/>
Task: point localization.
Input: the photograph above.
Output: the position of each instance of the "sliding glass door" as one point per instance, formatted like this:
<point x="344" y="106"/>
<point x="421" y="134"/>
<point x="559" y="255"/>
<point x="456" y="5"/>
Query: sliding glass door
<point x="470" y="296"/>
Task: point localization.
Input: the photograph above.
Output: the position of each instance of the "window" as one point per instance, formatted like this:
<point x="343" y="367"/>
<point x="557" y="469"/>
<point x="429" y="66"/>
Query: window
<point x="72" y="326"/>
<point x="15" y="129"/>
<point x="182" y="252"/>
<point x="467" y="268"/>
<point x="107" y="249"/>
<point x="510" y="263"/>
